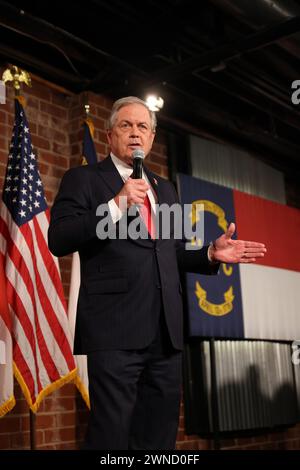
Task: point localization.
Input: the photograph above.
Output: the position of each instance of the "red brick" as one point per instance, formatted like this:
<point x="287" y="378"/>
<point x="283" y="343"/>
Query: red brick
<point x="45" y="421"/>
<point x="40" y="142"/>
<point x="187" y="445"/>
<point x="20" y="440"/>
<point x="3" y="144"/>
<point x="99" y="123"/>
<point x="10" y="424"/>
<point x="21" y="406"/>
<point x="60" y="99"/>
<point x="103" y="113"/>
<point x="44" y="169"/>
<point x="74" y="125"/>
<point x="2" y="171"/>
<point x="204" y="444"/>
<point x="100" y="136"/>
<point x="180" y="435"/>
<point x="53" y="159"/>
<point x="44" y="119"/>
<point x="40" y="91"/>
<point x="66" y="419"/>
<point x="5" y="443"/>
<point x="54" y="110"/>
<point x="77" y="112"/>
<point x="68" y="390"/>
<point x="32" y="116"/>
<point x="66" y="446"/>
<point x="46" y="447"/>
<point x="49" y="196"/>
<point x="75" y="149"/>
<point x="39" y="437"/>
<point x="11" y="119"/>
<point x="3" y="117"/>
<point x="76" y="136"/>
<point x="59" y="435"/>
<point x="32" y="103"/>
<point x="98" y="100"/>
<point x="100" y="148"/>
<point x="61" y="149"/>
<point x="52" y="134"/>
<point x="33" y="128"/>
<point x="58" y="404"/>
<point x="65" y="263"/>
<point x="25" y="423"/>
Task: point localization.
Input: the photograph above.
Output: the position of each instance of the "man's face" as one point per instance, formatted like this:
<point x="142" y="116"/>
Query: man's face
<point x="132" y="130"/>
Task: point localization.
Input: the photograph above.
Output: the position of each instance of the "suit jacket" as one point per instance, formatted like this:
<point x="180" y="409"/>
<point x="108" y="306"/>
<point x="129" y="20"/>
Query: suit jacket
<point x="123" y="281"/>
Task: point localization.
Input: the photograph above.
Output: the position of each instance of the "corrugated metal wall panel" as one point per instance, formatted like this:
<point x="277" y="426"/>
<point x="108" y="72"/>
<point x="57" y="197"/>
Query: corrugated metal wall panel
<point x="235" y="169"/>
<point x="256" y="385"/>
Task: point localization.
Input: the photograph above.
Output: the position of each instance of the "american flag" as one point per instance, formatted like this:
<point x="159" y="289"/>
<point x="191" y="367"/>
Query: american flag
<point x="42" y="352"/>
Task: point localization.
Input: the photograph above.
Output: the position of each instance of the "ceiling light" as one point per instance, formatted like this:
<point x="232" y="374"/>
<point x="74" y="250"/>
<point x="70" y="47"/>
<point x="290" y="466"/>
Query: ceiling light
<point x="154" y="103"/>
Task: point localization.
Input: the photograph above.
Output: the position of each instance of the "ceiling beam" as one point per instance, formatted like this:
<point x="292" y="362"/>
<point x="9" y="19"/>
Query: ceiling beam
<point x="229" y="51"/>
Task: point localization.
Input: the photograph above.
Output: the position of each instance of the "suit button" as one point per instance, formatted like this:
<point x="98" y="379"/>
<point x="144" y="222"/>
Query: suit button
<point x="156" y="249"/>
<point x="158" y="286"/>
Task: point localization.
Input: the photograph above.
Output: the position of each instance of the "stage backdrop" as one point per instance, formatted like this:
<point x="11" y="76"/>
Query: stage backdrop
<point x="260" y="300"/>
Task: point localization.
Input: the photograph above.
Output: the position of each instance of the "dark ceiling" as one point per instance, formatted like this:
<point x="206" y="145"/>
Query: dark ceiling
<point x="225" y="66"/>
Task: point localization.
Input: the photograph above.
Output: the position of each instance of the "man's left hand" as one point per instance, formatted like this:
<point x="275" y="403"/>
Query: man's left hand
<point x="226" y="250"/>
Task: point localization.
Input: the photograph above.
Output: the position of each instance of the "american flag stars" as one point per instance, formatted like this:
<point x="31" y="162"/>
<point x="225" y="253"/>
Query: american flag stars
<point x="23" y="192"/>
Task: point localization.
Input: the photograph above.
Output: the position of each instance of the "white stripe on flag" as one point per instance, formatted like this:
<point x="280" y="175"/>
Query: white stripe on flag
<point x="271" y="300"/>
<point x="81" y="360"/>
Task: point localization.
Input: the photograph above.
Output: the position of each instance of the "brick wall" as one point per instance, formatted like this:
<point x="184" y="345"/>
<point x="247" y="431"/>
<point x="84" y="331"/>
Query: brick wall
<point x="55" y="117"/>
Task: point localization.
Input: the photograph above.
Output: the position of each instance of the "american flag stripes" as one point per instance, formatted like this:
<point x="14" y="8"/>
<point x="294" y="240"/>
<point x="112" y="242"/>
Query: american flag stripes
<point x="42" y="351"/>
<point x="7" y="399"/>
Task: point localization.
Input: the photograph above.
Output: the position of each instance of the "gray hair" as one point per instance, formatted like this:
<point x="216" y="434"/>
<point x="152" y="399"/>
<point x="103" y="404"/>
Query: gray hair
<point x="126" y="101"/>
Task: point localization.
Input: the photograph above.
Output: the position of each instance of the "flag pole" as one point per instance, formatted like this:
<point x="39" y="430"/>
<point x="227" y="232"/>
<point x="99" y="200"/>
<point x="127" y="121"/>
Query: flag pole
<point x="32" y="429"/>
<point x="16" y="75"/>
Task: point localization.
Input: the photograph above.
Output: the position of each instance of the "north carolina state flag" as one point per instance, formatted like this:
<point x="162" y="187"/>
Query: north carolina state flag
<point x="260" y="300"/>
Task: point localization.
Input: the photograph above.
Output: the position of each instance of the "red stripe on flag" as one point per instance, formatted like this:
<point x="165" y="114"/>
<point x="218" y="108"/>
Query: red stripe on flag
<point x="276" y="225"/>
<point x="49" y="312"/>
<point x="24" y="370"/>
<point x="49" y="263"/>
<point x="4" y="311"/>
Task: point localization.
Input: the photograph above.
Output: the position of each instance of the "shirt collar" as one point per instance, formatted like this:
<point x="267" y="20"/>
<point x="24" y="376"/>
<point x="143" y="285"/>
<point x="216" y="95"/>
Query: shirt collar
<point x="122" y="167"/>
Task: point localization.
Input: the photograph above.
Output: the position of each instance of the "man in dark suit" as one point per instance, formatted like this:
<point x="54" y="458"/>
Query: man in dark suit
<point x="129" y="314"/>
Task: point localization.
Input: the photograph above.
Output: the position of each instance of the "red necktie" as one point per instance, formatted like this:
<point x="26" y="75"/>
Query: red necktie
<point x="146" y="214"/>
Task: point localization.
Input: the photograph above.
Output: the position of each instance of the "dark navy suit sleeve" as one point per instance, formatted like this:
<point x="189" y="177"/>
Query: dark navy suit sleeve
<point x="73" y="219"/>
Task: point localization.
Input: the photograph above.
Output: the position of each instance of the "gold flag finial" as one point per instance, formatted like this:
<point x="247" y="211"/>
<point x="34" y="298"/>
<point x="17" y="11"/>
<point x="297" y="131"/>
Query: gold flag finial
<point x="16" y="75"/>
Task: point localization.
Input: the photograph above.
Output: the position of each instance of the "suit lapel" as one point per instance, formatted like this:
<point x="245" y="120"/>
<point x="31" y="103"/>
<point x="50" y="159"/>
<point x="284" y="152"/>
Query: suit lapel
<point x="110" y="175"/>
<point x="154" y="183"/>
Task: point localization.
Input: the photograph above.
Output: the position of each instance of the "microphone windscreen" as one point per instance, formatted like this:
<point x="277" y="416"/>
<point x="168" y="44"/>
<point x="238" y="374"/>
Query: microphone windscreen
<point x="138" y="153"/>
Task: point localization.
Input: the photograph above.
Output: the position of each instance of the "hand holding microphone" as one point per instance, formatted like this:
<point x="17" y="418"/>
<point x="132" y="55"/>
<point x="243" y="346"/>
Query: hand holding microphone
<point x="135" y="188"/>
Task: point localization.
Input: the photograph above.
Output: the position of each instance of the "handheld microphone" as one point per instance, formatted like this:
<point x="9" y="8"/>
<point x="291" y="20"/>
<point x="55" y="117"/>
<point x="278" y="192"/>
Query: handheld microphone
<point x="138" y="157"/>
